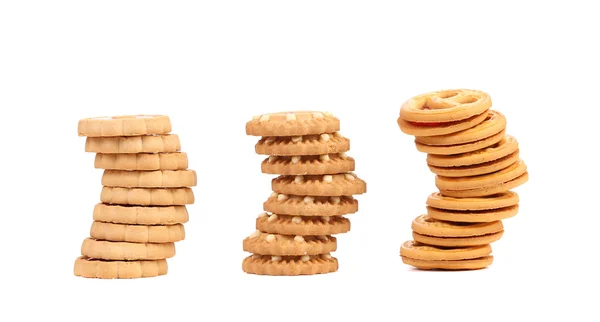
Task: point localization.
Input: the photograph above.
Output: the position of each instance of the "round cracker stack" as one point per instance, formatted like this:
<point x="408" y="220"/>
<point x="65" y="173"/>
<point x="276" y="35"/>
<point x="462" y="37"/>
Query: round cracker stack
<point x="146" y="185"/>
<point x="476" y="165"/>
<point x="310" y="197"/>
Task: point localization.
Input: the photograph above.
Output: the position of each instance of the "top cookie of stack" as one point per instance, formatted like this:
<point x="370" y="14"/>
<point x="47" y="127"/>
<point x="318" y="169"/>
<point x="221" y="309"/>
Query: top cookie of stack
<point x="310" y="197"/>
<point x="476" y="163"/>
<point x="146" y="185"/>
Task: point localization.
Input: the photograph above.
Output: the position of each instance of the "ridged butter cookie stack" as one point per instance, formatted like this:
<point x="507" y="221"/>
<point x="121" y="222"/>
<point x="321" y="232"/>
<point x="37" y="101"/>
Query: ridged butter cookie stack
<point x="476" y="165"/>
<point x="145" y="189"/>
<point x="310" y="197"/>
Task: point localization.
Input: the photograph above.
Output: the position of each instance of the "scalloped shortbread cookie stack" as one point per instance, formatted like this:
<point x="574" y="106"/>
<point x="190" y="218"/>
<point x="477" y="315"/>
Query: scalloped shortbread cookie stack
<point x="146" y="185"/>
<point x="476" y="165"/>
<point x="312" y="193"/>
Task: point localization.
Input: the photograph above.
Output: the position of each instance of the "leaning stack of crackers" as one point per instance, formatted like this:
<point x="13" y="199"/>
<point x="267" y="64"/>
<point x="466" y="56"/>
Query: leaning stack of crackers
<point x="312" y="193"/>
<point x="145" y="189"/>
<point x="476" y="165"/>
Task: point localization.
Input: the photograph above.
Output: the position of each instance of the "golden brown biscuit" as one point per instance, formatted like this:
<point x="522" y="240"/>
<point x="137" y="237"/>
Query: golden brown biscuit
<point x="147" y="196"/>
<point x="286" y="245"/>
<point x="326" y="143"/>
<point x="426" y="225"/>
<point x="137" y="233"/>
<point x="473" y="216"/>
<point x="477" y="169"/>
<point x="128" y="125"/>
<point x="493" y="124"/>
<point x="412" y="249"/>
<point x="293" y="123"/>
<point x="102" y="249"/>
<point x="302" y="225"/>
<point x="308" y="164"/>
<point x="435" y="129"/>
<point x="487" y="191"/>
<point x="454" y="242"/>
<point x="482" y="181"/>
<point x="96" y="268"/>
<point x="133" y="215"/>
<point x="466" y="264"/>
<point x="461" y="148"/>
<point x="343" y="184"/>
<point x="142" y="161"/>
<point x="149" y="179"/>
<point x="503" y="148"/>
<point x="290" y="265"/>
<point x="445" y="106"/>
<point x="134" y="144"/>
<point x="310" y="206"/>
<point x="501" y="200"/>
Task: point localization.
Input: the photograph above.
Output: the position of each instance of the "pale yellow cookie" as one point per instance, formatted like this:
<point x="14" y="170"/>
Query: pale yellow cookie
<point x="137" y="233"/>
<point x="147" y="196"/>
<point x="149" y="179"/>
<point x="107" y="250"/>
<point x="128" y="125"/>
<point x="96" y="268"/>
<point x="133" y="215"/>
<point x="142" y="161"/>
<point x="134" y="144"/>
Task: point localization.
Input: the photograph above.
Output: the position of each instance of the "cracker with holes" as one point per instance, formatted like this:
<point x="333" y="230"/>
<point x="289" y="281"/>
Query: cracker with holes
<point x="146" y="186"/>
<point x="477" y="164"/>
<point x="315" y="188"/>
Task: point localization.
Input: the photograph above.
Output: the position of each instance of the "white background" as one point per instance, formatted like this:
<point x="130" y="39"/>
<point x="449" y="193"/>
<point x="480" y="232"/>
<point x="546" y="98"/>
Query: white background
<point x="211" y="66"/>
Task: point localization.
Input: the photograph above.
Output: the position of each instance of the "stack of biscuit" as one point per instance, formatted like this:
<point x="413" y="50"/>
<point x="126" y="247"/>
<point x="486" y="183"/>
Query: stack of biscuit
<point x="145" y="189"/>
<point x="312" y="193"/>
<point x="476" y="165"/>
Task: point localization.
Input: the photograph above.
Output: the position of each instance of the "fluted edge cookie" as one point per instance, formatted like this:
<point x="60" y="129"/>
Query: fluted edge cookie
<point x="477" y="169"/>
<point x="142" y="161"/>
<point x="485" y="180"/>
<point x="127" y="125"/>
<point x="108" y="250"/>
<point x="501" y="200"/>
<point x="310" y="205"/>
<point x="415" y="250"/>
<point x="461" y="148"/>
<point x="302" y="225"/>
<point x="134" y="215"/>
<point x="487" y="191"/>
<point x="286" y="245"/>
<point x="473" y="216"/>
<point x="494" y="123"/>
<point x="343" y="184"/>
<point x="134" y="144"/>
<point x="435" y="129"/>
<point x="147" y="196"/>
<point x="445" y="105"/>
<point x="507" y="146"/>
<point x="137" y="233"/>
<point x="149" y="179"/>
<point x="427" y="225"/>
<point x="293" y="124"/>
<point x="308" y="165"/>
<point x="289" y="265"/>
<point x="457" y="241"/>
<point x="325" y="143"/>
<point x="95" y="268"/>
<point x="459" y="265"/>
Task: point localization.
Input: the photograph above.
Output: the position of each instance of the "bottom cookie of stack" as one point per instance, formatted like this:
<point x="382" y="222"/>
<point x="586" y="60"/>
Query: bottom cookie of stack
<point x="427" y="257"/>
<point x="288" y="255"/>
<point x="98" y="268"/>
